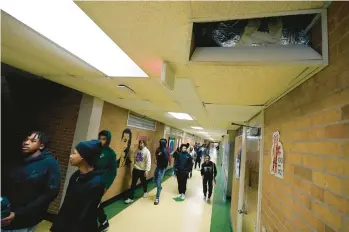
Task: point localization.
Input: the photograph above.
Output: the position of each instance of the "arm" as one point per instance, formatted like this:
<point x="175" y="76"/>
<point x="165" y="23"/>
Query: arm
<point x="148" y="159"/>
<point x="111" y="172"/>
<point x="51" y="191"/>
<point x="214" y="170"/>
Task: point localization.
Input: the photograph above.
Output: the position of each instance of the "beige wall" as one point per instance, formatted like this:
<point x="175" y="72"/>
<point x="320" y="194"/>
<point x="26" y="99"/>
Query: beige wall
<point x="114" y="119"/>
<point x="314" y="129"/>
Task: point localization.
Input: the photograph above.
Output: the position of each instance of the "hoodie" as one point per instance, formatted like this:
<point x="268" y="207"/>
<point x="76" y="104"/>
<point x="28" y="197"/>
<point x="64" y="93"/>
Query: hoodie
<point x="143" y="160"/>
<point x="107" y="162"/>
<point x="80" y="207"/>
<point x="30" y="187"/>
<point x="162" y="155"/>
<point x="184" y="162"/>
<point x="209" y="170"/>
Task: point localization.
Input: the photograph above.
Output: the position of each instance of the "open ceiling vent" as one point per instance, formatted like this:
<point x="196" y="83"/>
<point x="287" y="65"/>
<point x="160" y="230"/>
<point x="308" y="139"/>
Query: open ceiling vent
<point x="299" y="37"/>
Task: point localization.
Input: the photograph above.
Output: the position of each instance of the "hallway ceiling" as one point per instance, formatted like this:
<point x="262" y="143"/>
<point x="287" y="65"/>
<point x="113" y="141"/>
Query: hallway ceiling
<point x="152" y="32"/>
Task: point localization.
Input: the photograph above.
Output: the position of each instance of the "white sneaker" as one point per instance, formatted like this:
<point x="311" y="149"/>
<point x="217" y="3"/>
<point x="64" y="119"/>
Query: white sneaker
<point x="182" y="196"/>
<point x="179" y="196"/>
<point x="128" y="201"/>
<point x="145" y="195"/>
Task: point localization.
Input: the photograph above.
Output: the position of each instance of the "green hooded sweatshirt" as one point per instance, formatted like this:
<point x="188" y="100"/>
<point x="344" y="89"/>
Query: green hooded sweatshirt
<point x="107" y="161"/>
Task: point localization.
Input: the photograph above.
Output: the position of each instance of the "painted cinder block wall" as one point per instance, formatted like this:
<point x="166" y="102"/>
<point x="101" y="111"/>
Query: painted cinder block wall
<point x="114" y="119"/>
<point x="313" y="121"/>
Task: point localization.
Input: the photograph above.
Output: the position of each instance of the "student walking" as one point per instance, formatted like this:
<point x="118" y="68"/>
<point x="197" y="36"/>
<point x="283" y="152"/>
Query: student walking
<point x="107" y="164"/>
<point x="200" y="153"/>
<point x="208" y="173"/>
<point x="31" y="185"/>
<point x="85" y="189"/>
<point x="183" y="165"/>
<point x="193" y="156"/>
<point x="161" y="160"/>
<point x="140" y="171"/>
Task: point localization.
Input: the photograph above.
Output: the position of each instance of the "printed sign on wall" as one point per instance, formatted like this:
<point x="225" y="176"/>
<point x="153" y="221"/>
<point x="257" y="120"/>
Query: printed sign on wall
<point x="277" y="157"/>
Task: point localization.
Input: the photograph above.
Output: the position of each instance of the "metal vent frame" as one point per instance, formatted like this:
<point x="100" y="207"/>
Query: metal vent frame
<point x="140" y="121"/>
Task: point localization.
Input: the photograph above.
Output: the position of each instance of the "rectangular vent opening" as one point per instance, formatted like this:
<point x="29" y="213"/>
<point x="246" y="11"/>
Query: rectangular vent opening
<point x="286" y="38"/>
<point x="140" y="121"/>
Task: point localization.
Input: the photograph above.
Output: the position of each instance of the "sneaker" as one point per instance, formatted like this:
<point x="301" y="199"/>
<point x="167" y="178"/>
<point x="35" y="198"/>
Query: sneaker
<point x="104" y="227"/>
<point x="179" y="196"/>
<point x="145" y="195"/>
<point x="208" y="200"/>
<point x="156" y="202"/>
<point x="128" y="201"/>
<point x="182" y="196"/>
<point x="204" y="198"/>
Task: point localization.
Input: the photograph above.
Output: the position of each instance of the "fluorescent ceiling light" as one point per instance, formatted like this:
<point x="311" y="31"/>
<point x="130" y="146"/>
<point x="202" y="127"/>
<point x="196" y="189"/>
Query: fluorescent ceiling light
<point x="203" y="132"/>
<point x="64" y="23"/>
<point x="197" y="127"/>
<point x="180" y="116"/>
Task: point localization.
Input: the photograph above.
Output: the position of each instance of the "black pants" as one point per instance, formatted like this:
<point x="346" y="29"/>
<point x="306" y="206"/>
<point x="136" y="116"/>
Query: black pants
<point x="207" y="181"/>
<point x="102" y="217"/>
<point x="182" y="178"/>
<point x="138" y="174"/>
<point x="198" y="161"/>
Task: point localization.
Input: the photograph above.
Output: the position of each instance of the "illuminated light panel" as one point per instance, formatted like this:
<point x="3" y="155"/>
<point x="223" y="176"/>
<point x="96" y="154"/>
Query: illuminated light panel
<point x="197" y="127"/>
<point x="65" y="24"/>
<point x="180" y="116"/>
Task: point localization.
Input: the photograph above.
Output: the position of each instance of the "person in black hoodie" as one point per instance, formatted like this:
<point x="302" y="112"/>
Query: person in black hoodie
<point x="208" y="173"/>
<point x="183" y="165"/>
<point x="31" y="185"/>
<point x="161" y="160"/>
<point x="85" y="190"/>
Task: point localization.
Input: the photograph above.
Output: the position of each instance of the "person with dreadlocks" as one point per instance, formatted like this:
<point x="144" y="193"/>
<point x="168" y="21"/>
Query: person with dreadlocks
<point x="126" y="140"/>
<point x="31" y="185"/>
<point x="162" y="158"/>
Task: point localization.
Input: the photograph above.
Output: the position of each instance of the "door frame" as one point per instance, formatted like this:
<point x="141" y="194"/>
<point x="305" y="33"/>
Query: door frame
<point x="242" y="179"/>
<point x="260" y="171"/>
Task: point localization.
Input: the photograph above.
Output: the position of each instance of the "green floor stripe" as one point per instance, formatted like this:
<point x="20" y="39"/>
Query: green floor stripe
<point x="220" y="220"/>
<point x="119" y="205"/>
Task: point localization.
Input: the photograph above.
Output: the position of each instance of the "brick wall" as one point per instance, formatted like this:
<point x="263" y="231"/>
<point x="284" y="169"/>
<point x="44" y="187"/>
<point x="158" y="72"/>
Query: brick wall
<point x="31" y="103"/>
<point x="313" y="121"/>
<point x="114" y="119"/>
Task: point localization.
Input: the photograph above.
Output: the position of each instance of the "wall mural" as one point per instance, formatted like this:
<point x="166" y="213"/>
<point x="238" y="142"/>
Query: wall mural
<point x="126" y="140"/>
<point x="277" y="157"/>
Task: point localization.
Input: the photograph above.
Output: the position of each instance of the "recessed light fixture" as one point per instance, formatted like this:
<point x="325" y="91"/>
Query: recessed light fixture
<point x="197" y="127"/>
<point x="180" y="116"/>
<point x="65" y="24"/>
<point x="203" y="132"/>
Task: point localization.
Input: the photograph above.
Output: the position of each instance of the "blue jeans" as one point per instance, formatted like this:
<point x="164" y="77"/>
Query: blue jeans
<point x="158" y="175"/>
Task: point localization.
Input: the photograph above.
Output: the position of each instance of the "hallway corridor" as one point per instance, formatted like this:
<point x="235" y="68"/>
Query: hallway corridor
<point x="191" y="215"/>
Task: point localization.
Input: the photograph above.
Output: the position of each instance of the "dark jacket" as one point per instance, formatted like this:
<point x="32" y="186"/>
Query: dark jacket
<point x="79" y="210"/>
<point x="30" y="187"/>
<point x="107" y="163"/>
<point x="183" y="162"/>
<point x="162" y="155"/>
<point x="209" y="170"/>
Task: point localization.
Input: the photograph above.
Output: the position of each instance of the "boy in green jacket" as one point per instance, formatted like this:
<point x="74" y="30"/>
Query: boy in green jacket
<point x="107" y="164"/>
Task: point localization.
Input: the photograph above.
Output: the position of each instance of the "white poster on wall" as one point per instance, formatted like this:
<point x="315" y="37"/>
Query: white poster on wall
<point x="277" y="157"/>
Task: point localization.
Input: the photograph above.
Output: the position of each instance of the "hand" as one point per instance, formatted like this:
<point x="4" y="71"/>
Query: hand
<point x="145" y="174"/>
<point x="7" y="221"/>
